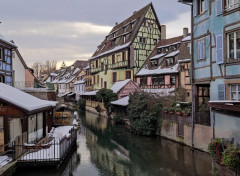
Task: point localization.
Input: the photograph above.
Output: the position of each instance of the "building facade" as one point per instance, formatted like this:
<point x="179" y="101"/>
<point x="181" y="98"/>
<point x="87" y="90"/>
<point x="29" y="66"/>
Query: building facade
<point x="125" y="48"/>
<point x="216" y="26"/>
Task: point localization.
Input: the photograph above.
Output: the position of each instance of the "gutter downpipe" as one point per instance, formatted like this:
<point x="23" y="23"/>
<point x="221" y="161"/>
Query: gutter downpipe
<point x="192" y="71"/>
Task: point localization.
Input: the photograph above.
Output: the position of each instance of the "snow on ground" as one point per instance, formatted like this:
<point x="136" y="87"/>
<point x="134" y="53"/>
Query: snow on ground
<point x="4" y="160"/>
<point x="55" y="151"/>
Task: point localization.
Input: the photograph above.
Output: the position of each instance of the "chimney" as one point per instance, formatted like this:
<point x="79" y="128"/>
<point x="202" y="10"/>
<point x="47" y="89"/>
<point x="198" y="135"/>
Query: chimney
<point x="163" y="32"/>
<point x="134" y="12"/>
<point x="185" y="32"/>
<point x="116" y="23"/>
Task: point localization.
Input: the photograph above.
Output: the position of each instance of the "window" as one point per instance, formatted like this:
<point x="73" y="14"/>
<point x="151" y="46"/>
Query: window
<point x="128" y="75"/>
<point x="155" y="41"/>
<point x="123" y="56"/>
<point x="142" y="40"/>
<point x="94" y="80"/>
<point x="172" y="80"/>
<point x="101" y="82"/>
<point x="1" y="54"/>
<point x="96" y="63"/>
<point x="143" y="81"/>
<point x="158" y="80"/>
<point x="201" y="49"/>
<point x="201" y="6"/>
<point x="114" y="77"/>
<point x="113" y="59"/>
<point x="97" y="79"/>
<point x="230" y="4"/>
<point x="235" y="92"/>
<point x="150" y="25"/>
<point x="154" y="63"/>
<point x="106" y="69"/>
<point x="124" y="38"/>
<point x="105" y="84"/>
<point x="169" y="61"/>
<point x="118" y="57"/>
<point x="2" y="79"/>
<point x="233" y="45"/>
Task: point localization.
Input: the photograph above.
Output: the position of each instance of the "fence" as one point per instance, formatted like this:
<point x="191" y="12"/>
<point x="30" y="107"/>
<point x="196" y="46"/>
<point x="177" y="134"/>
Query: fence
<point x="50" y="153"/>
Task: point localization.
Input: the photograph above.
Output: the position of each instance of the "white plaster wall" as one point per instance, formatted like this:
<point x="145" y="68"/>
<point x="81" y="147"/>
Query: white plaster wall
<point x="19" y="77"/>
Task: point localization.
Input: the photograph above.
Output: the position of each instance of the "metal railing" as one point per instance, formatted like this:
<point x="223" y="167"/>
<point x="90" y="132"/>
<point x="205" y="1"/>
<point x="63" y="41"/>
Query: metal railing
<point x="53" y="152"/>
<point x="95" y="70"/>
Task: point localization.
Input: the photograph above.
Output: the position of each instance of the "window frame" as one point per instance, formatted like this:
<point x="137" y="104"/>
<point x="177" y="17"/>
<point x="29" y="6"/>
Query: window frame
<point x="1" y="53"/>
<point x="114" y="77"/>
<point x="203" y="43"/>
<point x="128" y="74"/>
<point x="237" y="92"/>
<point x="235" y="58"/>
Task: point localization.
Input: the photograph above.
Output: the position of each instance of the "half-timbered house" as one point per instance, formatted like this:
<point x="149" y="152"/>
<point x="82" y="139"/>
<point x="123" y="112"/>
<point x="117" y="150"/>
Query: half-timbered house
<point x="125" y="48"/>
<point x="167" y="67"/>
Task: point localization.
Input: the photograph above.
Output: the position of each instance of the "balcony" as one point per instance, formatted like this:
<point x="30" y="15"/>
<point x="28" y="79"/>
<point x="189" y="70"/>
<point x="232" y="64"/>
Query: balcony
<point x="161" y="86"/>
<point x="95" y="70"/>
<point x="122" y="64"/>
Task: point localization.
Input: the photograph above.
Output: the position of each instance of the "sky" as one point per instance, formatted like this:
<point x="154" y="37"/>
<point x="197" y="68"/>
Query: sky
<point x="69" y="30"/>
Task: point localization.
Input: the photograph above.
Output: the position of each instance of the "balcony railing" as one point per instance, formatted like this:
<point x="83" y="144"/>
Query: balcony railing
<point x="95" y="70"/>
<point x="157" y="86"/>
<point x="119" y="65"/>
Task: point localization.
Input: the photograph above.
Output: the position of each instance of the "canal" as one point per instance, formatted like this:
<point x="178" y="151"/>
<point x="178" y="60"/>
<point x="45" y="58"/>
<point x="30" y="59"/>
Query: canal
<point x="108" y="150"/>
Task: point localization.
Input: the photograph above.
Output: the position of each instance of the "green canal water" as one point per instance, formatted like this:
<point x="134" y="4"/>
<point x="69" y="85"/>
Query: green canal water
<point x="108" y="150"/>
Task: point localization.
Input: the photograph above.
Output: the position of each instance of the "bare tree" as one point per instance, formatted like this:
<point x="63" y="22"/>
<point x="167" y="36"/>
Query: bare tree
<point x="40" y="68"/>
<point x="36" y="68"/>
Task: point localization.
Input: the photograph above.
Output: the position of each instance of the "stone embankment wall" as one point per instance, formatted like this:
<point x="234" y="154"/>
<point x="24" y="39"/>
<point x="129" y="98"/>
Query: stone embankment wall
<point x="202" y="134"/>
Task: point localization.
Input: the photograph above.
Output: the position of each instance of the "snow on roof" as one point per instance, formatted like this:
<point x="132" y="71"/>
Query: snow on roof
<point x="112" y="50"/>
<point x="70" y="79"/>
<point x="22" y="99"/>
<point x="64" y="94"/>
<point x="121" y="102"/>
<point x="162" y="92"/>
<point x="174" y="53"/>
<point x="168" y="45"/>
<point x="223" y="101"/>
<point x="87" y="67"/>
<point x="159" y="70"/>
<point x="185" y="60"/>
<point x="187" y="38"/>
<point x="157" y="56"/>
<point x="79" y="82"/>
<point x="2" y="38"/>
<point x="119" y="85"/>
<point x="48" y="80"/>
<point x="55" y="81"/>
<point x="75" y="71"/>
<point x="90" y="93"/>
<point x="53" y="74"/>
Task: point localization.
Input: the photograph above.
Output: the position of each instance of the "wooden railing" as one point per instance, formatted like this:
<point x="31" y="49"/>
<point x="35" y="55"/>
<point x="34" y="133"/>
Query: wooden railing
<point x="157" y="86"/>
<point x="94" y="104"/>
<point x="119" y="65"/>
<point x="95" y="70"/>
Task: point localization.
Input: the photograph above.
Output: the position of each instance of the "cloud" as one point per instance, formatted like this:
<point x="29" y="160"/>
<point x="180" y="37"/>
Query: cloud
<point x="175" y="27"/>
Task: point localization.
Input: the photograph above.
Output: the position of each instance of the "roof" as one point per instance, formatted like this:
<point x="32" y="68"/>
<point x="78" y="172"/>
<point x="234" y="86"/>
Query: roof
<point x="23" y="100"/>
<point x="157" y="56"/>
<point x="162" y="92"/>
<point x="174" y="53"/>
<point x="121" y="102"/>
<point x="189" y="37"/>
<point x="159" y="70"/>
<point x="79" y="82"/>
<point x="90" y="93"/>
<point x="123" y="29"/>
<point x="21" y="58"/>
<point x="5" y="40"/>
<point x="117" y="86"/>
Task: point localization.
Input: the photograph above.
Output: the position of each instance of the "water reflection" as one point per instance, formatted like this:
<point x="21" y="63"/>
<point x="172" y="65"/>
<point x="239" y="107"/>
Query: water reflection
<point x="117" y="152"/>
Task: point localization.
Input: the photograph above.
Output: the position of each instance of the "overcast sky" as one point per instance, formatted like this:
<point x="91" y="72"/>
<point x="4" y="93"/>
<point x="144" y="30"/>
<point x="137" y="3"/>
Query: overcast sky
<point x="66" y="30"/>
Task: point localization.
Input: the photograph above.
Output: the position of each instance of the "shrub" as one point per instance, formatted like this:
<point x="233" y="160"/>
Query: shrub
<point x="107" y="96"/>
<point x="118" y="119"/>
<point x="144" y="112"/>
<point x="231" y="158"/>
<point x="212" y="149"/>
<point x="186" y="111"/>
<point x="178" y="110"/>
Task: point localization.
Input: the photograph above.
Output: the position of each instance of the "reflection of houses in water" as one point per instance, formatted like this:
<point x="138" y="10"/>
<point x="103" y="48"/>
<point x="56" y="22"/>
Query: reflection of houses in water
<point x="93" y="120"/>
<point x="106" y="159"/>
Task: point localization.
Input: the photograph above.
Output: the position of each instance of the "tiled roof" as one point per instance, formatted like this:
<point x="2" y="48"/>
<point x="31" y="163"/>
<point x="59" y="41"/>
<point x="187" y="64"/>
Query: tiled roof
<point x="135" y="20"/>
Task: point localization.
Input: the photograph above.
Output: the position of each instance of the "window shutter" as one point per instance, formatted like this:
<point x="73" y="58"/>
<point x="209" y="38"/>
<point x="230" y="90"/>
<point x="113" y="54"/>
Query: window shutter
<point x="203" y="49"/>
<point x="206" y="3"/>
<point x="219" y="49"/>
<point x="199" y="50"/>
<point x="221" y="92"/>
<point x="218" y="7"/>
<point x="194" y="7"/>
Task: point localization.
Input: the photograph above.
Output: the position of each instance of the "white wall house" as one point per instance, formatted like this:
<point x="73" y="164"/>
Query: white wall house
<point x="79" y="87"/>
<point x="19" y="68"/>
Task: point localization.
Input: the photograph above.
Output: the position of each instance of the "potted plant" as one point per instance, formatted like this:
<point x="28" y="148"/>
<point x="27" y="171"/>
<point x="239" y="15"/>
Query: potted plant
<point x="178" y="111"/>
<point x="165" y="109"/>
<point x="171" y="110"/>
<point x="186" y="112"/>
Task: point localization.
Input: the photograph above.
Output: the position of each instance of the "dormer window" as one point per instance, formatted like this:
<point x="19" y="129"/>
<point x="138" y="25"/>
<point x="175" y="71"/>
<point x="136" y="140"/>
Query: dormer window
<point x="166" y="50"/>
<point x="169" y="61"/>
<point x="154" y="63"/>
<point x="124" y="38"/>
<point x="114" y="34"/>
